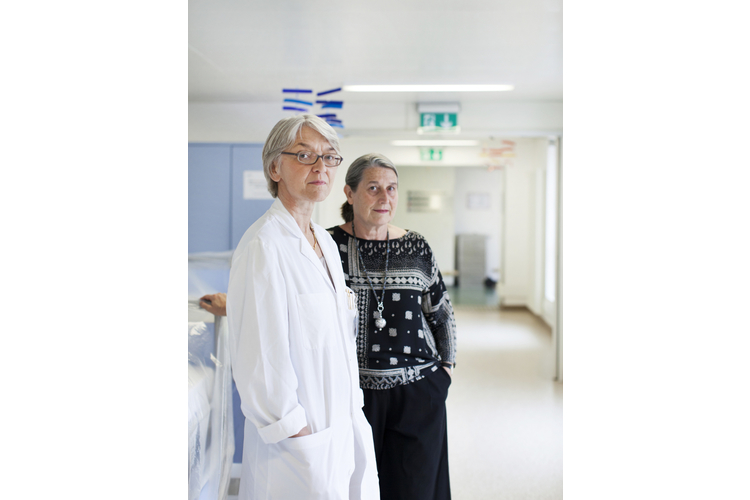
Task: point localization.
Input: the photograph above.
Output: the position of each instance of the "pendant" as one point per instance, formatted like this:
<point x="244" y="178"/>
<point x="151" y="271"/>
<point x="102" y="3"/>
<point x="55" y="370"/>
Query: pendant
<point x="379" y="321"/>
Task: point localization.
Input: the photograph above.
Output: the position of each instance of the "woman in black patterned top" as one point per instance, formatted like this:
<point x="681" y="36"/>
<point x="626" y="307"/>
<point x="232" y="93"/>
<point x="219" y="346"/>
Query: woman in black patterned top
<point x="406" y="341"/>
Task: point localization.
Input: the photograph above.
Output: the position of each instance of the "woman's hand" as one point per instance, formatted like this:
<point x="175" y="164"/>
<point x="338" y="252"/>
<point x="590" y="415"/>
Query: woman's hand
<point x="215" y="303"/>
<point x="449" y="370"/>
<point x="304" y="432"/>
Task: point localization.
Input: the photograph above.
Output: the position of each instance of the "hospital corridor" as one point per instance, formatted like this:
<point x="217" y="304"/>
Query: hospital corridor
<point x="393" y="213"/>
<point x="461" y="104"/>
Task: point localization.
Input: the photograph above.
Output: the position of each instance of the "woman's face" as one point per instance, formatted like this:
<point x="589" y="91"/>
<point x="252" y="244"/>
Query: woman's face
<point x="375" y="200"/>
<point x="305" y="183"/>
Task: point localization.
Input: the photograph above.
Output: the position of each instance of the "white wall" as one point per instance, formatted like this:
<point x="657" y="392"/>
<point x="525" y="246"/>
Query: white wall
<point x="436" y="227"/>
<point x="251" y="122"/>
<point x="551" y="222"/>
<point x="231" y="121"/>
<point x="536" y="301"/>
<point x="521" y="283"/>
<point x="470" y="180"/>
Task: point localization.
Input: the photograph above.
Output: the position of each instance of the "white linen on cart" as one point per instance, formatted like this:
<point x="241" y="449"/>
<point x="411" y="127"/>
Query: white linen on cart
<point x="200" y="386"/>
<point x="210" y="418"/>
<point x="211" y="438"/>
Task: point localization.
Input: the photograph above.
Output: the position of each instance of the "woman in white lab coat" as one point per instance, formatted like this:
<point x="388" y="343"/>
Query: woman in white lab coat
<point x="292" y="340"/>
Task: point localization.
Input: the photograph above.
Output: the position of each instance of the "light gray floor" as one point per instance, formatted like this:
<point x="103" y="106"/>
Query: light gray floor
<point x="504" y="409"/>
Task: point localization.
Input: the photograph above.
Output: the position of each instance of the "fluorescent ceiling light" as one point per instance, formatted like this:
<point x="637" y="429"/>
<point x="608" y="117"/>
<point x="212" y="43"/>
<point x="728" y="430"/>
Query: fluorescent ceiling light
<point x="427" y="88"/>
<point x="436" y="143"/>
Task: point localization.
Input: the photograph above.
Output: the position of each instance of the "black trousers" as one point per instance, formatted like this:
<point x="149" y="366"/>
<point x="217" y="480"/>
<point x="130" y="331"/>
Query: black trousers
<point x="411" y="438"/>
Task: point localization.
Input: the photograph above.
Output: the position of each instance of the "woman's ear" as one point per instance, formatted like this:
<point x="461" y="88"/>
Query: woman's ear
<point x="273" y="171"/>
<point x="349" y="194"/>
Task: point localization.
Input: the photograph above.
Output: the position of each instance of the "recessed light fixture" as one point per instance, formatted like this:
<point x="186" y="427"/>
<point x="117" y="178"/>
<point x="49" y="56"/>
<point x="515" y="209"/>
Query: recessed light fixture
<point x="427" y="88"/>
<point x="436" y="142"/>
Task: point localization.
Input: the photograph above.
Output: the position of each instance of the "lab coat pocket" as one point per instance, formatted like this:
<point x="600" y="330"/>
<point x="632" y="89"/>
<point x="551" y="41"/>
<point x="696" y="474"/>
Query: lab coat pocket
<point x="303" y="465"/>
<point x="317" y="319"/>
<point x="307" y="442"/>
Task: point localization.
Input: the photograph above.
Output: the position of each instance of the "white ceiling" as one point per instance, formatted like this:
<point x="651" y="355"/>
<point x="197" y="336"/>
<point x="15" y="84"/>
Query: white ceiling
<point x="247" y="51"/>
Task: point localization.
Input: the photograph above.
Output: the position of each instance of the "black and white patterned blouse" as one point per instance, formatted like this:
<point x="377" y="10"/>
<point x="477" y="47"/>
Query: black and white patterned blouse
<point x="420" y="331"/>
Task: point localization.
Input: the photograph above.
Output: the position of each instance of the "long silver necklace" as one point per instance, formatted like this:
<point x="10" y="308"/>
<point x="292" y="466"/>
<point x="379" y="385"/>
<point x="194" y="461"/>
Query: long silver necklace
<point x="379" y="321"/>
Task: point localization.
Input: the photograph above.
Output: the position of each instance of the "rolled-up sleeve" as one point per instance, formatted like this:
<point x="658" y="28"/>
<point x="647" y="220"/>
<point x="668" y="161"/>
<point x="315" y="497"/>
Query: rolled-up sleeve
<point x="259" y="338"/>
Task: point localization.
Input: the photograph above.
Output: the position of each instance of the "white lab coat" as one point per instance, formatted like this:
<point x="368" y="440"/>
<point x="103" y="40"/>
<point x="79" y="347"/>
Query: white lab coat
<point x="294" y="361"/>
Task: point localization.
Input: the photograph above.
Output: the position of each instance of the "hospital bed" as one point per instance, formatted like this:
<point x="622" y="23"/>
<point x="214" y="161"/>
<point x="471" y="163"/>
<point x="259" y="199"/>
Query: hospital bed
<point x="210" y="408"/>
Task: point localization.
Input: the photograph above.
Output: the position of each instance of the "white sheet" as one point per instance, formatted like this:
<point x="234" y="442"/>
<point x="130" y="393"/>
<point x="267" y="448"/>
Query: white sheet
<point x="210" y="424"/>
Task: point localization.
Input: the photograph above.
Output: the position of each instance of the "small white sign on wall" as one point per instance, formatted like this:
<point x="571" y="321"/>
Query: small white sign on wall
<point x="478" y="201"/>
<point x="254" y="186"/>
<point x="424" y="201"/>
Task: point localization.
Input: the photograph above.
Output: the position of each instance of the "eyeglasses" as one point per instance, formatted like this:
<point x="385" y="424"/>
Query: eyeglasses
<point x="310" y="158"/>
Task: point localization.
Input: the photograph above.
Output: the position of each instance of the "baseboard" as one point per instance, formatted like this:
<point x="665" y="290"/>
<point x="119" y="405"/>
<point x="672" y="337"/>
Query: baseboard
<point x="504" y="306"/>
<point x="506" y="301"/>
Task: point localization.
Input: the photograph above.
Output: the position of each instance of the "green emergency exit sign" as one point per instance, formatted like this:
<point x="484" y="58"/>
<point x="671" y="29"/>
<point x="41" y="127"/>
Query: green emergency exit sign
<point x="438" y="121"/>
<point x="431" y="154"/>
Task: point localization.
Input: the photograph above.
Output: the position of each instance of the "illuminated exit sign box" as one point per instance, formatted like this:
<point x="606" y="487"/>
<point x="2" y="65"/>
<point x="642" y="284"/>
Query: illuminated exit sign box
<point x="440" y="117"/>
<point x="438" y="122"/>
<point x="431" y="154"/>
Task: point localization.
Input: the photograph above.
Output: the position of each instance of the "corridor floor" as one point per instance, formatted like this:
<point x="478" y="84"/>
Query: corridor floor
<point x="504" y="409"/>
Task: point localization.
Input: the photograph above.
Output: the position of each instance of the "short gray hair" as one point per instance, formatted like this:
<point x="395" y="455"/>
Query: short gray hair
<point x="356" y="172"/>
<point x="284" y="134"/>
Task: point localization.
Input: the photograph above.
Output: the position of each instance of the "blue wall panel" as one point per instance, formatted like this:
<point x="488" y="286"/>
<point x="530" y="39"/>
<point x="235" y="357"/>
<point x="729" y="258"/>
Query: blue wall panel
<point x="245" y="212"/>
<point x="218" y="215"/>
<point x="209" y="197"/>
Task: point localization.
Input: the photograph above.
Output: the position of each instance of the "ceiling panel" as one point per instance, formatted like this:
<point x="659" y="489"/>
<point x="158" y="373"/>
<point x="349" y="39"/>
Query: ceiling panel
<point x="248" y="51"/>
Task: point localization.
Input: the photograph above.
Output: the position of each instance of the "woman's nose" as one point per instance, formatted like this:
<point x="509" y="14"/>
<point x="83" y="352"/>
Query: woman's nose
<point x="319" y="165"/>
